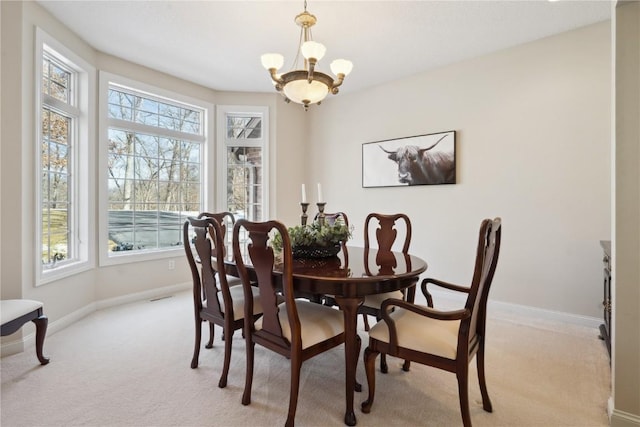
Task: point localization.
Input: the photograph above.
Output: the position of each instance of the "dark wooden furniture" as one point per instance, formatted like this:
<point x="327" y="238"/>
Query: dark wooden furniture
<point x="385" y="227"/>
<point x="226" y="221"/>
<point x="606" y="327"/>
<point x="213" y="300"/>
<point x="296" y="329"/>
<point x="350" y="283"/>
<point x="16" y="312"/>
<point x="443" y="339"/>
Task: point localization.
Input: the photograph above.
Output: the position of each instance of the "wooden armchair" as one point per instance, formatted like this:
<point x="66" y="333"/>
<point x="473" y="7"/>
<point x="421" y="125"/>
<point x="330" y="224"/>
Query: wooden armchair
<point x="296" y="329"/>
<point x="443" y="339"/>
<point x="213" y="299"/>
<point x="385" y="237"/>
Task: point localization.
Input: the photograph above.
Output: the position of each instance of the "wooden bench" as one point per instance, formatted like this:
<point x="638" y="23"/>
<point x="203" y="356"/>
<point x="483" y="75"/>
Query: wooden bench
<point x="15" y="313"/>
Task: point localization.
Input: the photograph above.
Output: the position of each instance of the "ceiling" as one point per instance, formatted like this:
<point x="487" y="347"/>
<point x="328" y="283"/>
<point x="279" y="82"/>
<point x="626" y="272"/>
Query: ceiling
<point x="218" y="44"/>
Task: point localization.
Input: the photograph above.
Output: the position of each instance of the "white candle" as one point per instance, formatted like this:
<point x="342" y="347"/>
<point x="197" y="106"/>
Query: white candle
<point x="320" y="199"/>
<point x="304" y="194"/>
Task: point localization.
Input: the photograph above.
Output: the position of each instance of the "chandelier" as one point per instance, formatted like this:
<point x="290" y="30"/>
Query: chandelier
<point x="307" y="85"/>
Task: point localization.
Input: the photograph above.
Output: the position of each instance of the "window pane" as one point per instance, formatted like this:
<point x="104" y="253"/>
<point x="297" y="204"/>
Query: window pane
<point x="244" y="182"/>
<point x="55" y="188"/>
<point x="154" y="180"/>
<point x="244" y="127"/>
<point x="55" y="80"/>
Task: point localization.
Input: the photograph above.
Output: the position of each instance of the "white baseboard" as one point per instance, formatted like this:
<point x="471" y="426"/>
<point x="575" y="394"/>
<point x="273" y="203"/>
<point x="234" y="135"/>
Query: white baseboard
<point x="624" y="419"/>
<point x="18" y="346"/>
<point x="145" y="295"/>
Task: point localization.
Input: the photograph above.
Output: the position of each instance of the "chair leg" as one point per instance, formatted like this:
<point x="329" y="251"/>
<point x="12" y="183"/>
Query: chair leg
<point x="383" y="364"/>
<point x="296" y="364"/>
<point x="358" y="387"/>
<point x="370" y="369"/>
<point x="486" y="402"/>
<point x="227" y="360"/>
<point x="406" y="366"/>
<point x="196" y="349"/>
<point x="211" y="334"/>
<point x="246" y="396"/>
<point x="463" y="392"/>
<point x="365" y="318"/>
<point x="41" y="330"/>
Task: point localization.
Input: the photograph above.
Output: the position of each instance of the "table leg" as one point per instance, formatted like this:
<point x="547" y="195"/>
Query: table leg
<point x="349" y="307"/>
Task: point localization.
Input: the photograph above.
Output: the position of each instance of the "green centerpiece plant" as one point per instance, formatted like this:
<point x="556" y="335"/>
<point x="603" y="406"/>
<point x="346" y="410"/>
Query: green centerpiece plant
<point x="314" y="240"/>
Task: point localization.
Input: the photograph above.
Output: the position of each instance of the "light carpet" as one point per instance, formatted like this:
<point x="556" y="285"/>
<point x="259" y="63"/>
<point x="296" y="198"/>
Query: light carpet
<point x="130" y="366"/>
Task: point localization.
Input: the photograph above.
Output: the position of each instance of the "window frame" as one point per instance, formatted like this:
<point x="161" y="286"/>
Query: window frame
<point x="160" y="94"/>
<point x="80" y="109"/>
<point x="222" y="142"/>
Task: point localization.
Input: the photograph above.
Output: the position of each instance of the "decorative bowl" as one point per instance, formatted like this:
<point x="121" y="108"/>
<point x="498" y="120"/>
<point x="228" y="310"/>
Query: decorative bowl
<point x="315" y="251"/>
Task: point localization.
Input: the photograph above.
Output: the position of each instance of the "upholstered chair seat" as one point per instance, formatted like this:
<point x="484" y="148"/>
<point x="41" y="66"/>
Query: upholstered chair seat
<point x="318" y="322"/>
<point x="420" y="333"/>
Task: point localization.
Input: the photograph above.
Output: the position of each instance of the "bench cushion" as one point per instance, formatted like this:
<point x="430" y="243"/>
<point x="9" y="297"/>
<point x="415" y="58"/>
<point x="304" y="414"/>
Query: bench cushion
<point x="11" y="309"/>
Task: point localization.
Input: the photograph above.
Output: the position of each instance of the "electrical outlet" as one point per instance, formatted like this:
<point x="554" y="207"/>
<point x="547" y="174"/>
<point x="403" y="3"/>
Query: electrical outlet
<point x="172" y="264"/>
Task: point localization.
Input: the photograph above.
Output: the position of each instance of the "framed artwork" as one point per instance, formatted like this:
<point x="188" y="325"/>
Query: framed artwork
<point x="414" y="160"/>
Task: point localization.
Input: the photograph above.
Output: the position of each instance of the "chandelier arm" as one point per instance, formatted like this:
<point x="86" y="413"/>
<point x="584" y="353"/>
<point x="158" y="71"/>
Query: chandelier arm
<point x="312" y="67"/>
<point x="274" y="76"/>
<point x="337" y="83"/>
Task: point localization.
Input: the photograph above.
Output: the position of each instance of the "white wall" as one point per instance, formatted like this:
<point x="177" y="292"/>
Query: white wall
<point x="533" y="146"/>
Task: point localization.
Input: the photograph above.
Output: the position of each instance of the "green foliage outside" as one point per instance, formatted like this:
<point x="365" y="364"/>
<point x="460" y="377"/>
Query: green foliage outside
<point x="55" y="233"/>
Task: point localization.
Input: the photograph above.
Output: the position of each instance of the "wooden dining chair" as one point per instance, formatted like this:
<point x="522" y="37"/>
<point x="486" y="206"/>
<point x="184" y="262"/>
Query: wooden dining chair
<point x="296" y="328"/>
<point x="226" y="221"/>
<point x="214" y="300"/>
<point x="386" y="228"/>
<point x="443" y="339"/>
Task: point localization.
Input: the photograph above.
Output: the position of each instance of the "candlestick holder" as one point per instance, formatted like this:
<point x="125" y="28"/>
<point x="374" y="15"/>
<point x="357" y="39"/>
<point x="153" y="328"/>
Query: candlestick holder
<point x="321" y="213"/>
<point x="303" y="217"/>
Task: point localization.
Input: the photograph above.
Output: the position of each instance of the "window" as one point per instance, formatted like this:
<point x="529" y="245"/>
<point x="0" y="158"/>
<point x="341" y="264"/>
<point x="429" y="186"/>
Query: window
<point x="243" y="136"/>
<point x="155" y="152"/>
<point x="62" y="137"/>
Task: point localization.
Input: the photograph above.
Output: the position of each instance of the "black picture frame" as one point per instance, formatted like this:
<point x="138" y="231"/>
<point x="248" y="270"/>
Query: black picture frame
<point x="428" y="159"/>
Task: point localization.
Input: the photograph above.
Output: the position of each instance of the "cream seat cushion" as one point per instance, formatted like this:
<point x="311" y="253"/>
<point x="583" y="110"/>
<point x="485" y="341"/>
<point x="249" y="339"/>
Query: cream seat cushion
<point x="237" y="296"/>
<point x="11" y="309"/>
<point x="375" y="300"/>
<point x="318" y="322"/>
<point x="420" y="333"/>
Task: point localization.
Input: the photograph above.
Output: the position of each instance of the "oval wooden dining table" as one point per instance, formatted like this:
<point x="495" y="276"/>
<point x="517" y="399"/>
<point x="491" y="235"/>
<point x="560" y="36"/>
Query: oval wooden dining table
<point x="348" y="278"/>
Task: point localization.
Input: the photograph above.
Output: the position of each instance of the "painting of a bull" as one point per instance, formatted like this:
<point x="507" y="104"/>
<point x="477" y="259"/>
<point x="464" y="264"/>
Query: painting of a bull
<point x="419" y="160"/>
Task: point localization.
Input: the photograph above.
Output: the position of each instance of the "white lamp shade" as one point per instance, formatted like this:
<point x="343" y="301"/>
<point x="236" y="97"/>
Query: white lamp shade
<point x="341" y="66"/>
<point x="301" y="90"/>
<point x="311" y="49"/>
<point x="272" y="60"/>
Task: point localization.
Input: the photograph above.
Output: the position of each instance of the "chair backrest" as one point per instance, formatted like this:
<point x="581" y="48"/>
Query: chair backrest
<point x="262" y="258"/>
<point x="485" y="267"/>
<point x="332" y="218"/>
<point x="386" y="234"/>
<point x="208" y="238"/>
<point x="226" y="221"/>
